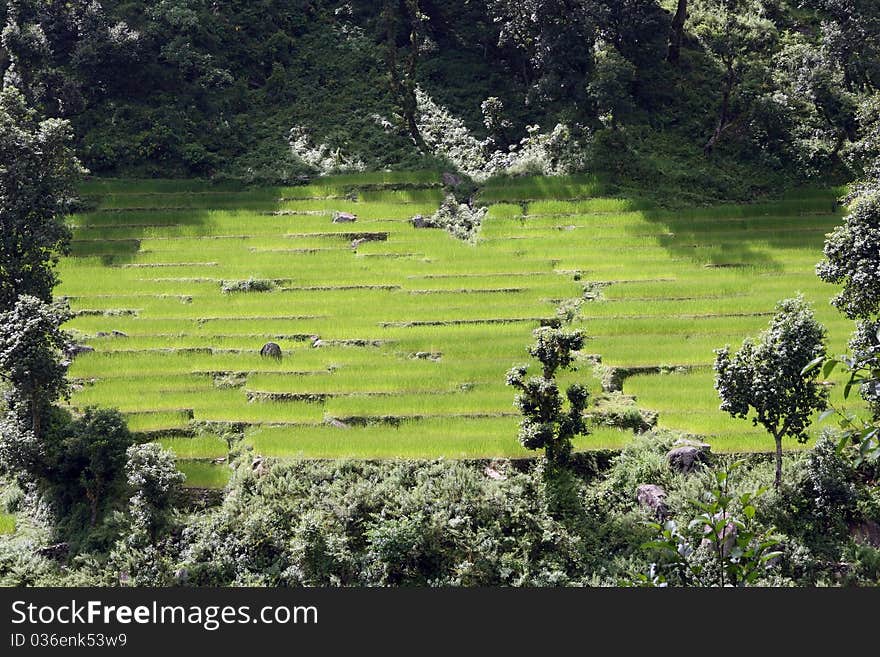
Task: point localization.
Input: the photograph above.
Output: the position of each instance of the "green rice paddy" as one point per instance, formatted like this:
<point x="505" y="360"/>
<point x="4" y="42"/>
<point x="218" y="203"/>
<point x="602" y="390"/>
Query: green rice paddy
<point x="7" y="523"/>
<point x="415" y="330"/>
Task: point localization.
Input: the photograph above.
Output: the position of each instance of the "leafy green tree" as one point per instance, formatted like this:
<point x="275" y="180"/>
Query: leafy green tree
<point x="85" y="464"/>
<point x="738" y="36"/>
<point x="37" y="178"/>
<point x="555" y="37"/>
<point x="152" y="475"/>
<point x="546" y="424"/>
<point x="852" y="258"/>
<point x="31" y="348"/>
<point x="610" y="87"/>
<point x="819" y="115"/>
<point x="850" y="32"/>
<point x="768" y="376"/>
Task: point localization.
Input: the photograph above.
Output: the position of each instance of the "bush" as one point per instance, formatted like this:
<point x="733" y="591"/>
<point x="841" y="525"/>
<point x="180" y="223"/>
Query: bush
<point x="354" y="523"/>
<point x="249" y="285"/>
<point x="458" y="219"/>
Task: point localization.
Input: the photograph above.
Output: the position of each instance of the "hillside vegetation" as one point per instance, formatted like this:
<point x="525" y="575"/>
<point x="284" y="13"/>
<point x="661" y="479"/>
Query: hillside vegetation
<point x="687" y="100"/>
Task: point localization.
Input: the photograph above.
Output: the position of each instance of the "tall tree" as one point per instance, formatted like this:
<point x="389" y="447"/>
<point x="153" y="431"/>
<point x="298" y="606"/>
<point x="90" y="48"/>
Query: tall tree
<point x="404" y="16"/>
<point x="546" y="424"/>
<point x="556" y="37"/>
<point x="850" y="32"/>
<point x="676" y="31"/>
<point x="38" y="171"/>
<point x="31" y="347"/>
<point x="739" y="37"/>
<point x="852" y="259"/>
<point x="767" y="376"/>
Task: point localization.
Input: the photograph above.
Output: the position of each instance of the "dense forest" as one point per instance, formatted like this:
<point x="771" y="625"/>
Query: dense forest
<point x="673" y="103"/>
<point x="727" y="97"/>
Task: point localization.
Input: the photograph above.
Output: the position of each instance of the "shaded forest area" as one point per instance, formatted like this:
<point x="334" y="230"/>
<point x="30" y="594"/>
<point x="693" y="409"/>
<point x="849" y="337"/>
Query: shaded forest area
<point x="729" y="97"/>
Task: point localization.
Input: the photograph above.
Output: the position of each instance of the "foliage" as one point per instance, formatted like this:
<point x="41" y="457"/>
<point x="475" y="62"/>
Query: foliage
<point x="247" y="285"/>
<point x="84" y="470"/>
<point x="349" y="523"/>
<point x="459" y="219"/>
<point x="740" y="551"/>
<point x="31" y="352"/>
<point x="852" y="259"/>
<point x="769" y="377"/>
<point x="37" y="175"/>
<point x="447" y="137"/>
<point x="151" y="473"/>
<point x="545" y="425"/>
<point x="321" y="158"/>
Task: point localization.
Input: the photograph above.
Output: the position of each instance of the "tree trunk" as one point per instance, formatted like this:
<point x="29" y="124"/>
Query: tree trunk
<point x="93" y="506"/>
<point x="723" y="115"/>
<point x="403" y="90"/>
<point x="676" y="32"/>
<point x="778" y="461"/>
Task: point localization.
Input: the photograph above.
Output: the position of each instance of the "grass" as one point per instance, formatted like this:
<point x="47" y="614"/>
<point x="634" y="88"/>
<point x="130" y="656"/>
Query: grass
<point x="7" y="523"/>
<point x="203" y="474"/>
<point x="416" y="327"/>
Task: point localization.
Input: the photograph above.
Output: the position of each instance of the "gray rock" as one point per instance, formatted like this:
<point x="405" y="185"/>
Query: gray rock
<point x="492" y="473"/>
<point x="451" y="180"/>
<point x="119" y="334"/>
<point x="57" y="552"/>
<point x="653" y="498"/>
<point x="688" y="456"/>
<point x="344" y="218"/>
<point x="74" y="350"/>
<point x="271" y="350"/>
<point x="259" y="466"/>
<point x="419" y="221"/>
<point x="726" y="537"/>
<point x="866" y="533"/>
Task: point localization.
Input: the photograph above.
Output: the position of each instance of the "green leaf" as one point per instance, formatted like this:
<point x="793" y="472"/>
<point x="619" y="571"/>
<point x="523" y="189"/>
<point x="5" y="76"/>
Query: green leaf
<point x="813" y="364"/>
<point x="829" y="367"/>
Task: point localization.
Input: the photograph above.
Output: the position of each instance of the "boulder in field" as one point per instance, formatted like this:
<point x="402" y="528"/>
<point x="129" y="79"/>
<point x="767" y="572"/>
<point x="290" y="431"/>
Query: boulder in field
<point x="271" y="350"/>
<point x="344" y="218"/>
<point x="74" y="350"/>
<point x="419" y="221"/>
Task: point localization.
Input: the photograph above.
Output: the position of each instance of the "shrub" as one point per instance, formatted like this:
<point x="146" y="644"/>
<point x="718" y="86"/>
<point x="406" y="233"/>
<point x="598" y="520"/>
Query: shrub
<point x="458" y="219"/>
<point x="249" y="285"/>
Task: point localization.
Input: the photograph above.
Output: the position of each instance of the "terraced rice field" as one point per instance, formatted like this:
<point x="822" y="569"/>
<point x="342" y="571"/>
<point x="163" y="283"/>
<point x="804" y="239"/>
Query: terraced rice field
<point x="416" y="328"/>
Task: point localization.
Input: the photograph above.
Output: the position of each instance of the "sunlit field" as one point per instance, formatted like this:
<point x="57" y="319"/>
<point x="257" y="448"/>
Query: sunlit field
<point x="396" y="340"/>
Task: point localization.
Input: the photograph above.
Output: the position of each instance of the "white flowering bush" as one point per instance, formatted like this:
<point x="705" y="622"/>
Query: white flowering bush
<point x="553" y="153"/>
<point x="459" y="219"/>
<point x="321" y="157"/>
